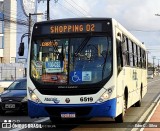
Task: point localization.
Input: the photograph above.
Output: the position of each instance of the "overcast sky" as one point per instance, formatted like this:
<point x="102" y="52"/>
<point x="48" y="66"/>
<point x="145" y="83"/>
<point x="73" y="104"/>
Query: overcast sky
<point x="137" y="16"/>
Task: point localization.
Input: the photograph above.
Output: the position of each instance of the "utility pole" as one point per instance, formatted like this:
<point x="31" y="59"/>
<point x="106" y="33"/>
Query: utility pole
<point x="29" y="24"/>
<point x="48" y="10"/>
<point x="29" y="27"/>
<point x="158" y="66"/>
<point x="153" y="64"/>
<point x="147" y="58"/>
<point x="48" y="5"/>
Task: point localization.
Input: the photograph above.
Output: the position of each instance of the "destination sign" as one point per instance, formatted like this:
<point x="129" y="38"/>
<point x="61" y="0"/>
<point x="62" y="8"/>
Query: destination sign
<point x="73" y="27"/>
<point x="49" y="43"/>
<point x="56" y="29"/>
<point x="68" y="28"/>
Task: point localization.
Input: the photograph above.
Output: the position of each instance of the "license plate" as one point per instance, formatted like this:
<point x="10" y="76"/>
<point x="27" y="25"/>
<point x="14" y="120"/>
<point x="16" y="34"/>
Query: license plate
<point x="68" y="115"/>
<point x="10" y="106"/>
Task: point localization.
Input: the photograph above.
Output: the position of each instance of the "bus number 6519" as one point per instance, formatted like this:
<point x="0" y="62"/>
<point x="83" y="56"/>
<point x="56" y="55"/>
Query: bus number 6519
<point x="86" y="99"/>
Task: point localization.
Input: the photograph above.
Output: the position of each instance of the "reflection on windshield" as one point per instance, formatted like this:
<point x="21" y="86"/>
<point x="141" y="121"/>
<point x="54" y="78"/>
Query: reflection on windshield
<point x="18" y="85"/>
<point x="49" y="62"/>
<point x="71" y="60"/>
<point x="92" y="62"/>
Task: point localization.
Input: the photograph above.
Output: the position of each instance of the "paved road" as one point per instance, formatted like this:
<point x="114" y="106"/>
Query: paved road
<point x="134" y="114"/>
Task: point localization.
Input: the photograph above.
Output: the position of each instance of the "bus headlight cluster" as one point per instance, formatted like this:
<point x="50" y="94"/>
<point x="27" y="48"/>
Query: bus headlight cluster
<point x="103" y="98"/>
<point x="34" y="97"/>
<point x="105" y="95"/>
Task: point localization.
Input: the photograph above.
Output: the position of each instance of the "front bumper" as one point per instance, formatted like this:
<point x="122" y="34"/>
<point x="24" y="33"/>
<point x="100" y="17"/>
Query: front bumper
<point x="105" y="109"/>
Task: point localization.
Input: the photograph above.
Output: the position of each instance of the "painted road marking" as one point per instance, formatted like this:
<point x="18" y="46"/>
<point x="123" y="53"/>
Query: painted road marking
<point x="157" y="100"/>
<point x="152" y="106"/>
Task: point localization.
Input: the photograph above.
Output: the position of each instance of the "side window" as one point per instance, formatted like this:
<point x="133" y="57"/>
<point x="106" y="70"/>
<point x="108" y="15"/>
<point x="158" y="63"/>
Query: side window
<point x="130" y="52"/>
<point x="139" y="56"/>
<point x="143" y="59"/>
<point x="125" y="52"/>
<point x="119" y="57"/>
<point x="135" y="54"/>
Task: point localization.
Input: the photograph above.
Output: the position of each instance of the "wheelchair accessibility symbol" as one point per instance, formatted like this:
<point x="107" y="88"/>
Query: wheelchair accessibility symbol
<point x="75" y="77"/>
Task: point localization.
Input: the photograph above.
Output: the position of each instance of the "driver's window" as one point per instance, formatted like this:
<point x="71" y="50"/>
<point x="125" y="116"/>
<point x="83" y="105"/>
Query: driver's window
<point x="96" y="46"/>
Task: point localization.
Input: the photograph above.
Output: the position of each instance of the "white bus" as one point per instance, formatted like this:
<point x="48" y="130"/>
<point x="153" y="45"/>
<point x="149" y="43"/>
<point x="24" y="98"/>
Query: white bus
<point x="83" y="68"/>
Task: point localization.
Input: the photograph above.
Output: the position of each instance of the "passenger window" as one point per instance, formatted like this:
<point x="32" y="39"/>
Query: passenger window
<point x="119" y="57"/>
<point x="125" y="52"/>
<point x="130" y="53"/>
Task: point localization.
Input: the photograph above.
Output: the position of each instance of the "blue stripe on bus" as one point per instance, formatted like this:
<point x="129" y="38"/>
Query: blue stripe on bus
<point x="105" y="109"/>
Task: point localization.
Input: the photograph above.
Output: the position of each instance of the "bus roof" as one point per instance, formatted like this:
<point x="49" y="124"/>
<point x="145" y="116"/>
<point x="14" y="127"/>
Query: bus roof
<point x="128" y="34"/>
<point x="74" y="19"/>
<point x="114" y="23"/>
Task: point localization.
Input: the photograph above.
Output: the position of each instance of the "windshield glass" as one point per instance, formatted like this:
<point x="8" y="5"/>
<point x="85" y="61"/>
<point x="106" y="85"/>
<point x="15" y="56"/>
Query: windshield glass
<point x="81" y="60"/>
<point x="18" y="85"/>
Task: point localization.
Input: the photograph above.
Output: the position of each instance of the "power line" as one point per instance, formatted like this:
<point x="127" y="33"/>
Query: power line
<point x="14" y="19"/>
<point x="145" y="30"/>
<point x="74" y="7"/>
<point x="68" y="9"/>
<point x="80" y="7"/>
<point x="16" y="22"/>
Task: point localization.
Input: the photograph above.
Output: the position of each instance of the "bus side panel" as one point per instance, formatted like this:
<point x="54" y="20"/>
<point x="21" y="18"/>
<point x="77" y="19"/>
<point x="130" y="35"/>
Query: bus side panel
<point x="144" y="80"/>
<point x="138" y="81"/>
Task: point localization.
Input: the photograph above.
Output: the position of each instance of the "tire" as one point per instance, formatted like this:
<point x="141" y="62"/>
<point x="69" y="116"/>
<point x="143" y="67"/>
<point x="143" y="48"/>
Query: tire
<point x="120" y="118"/>
<point x="138" y="103"/>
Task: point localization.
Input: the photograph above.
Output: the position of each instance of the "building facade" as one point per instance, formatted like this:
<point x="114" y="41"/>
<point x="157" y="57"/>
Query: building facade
<point x="1" y="31"/>
<point x="13" y="24"/>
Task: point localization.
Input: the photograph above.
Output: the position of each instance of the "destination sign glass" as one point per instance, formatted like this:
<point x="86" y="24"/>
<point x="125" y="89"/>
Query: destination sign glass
<point x="69" y="28"/>
<point x="56" y="29"/>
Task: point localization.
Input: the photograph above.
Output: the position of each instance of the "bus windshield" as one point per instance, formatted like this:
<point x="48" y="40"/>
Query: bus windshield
<point x="71" y="61"/>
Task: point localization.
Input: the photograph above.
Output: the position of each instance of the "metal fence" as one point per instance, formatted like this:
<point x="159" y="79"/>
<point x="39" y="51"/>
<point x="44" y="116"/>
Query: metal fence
<point x="12" y="71"/>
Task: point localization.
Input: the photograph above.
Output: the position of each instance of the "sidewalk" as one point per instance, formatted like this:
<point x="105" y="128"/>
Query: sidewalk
<point x="155" y="117"/>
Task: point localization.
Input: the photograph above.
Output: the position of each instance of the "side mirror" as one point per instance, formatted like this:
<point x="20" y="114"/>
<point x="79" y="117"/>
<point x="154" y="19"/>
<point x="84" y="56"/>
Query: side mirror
<point x="21" y="49"/>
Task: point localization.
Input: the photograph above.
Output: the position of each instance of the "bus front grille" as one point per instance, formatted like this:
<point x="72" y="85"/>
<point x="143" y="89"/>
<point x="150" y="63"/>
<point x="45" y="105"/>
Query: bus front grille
<point x="68" y="91"/>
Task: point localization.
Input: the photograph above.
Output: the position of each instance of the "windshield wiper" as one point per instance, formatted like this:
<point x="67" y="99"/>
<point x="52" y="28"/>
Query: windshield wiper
<point x="82" y="45"/>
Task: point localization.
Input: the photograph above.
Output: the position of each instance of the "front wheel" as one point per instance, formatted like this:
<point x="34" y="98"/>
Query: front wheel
<point x="120" y="118"/>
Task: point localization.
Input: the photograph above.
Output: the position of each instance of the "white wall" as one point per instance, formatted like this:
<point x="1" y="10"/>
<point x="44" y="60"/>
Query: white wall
<point x="10" y="9"/>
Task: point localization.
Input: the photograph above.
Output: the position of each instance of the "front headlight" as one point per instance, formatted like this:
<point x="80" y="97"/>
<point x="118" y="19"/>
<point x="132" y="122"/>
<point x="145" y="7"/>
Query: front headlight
<point x="34" y="97"/>
<point x="105" y="96"/>
<point x="25" y="99"/>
